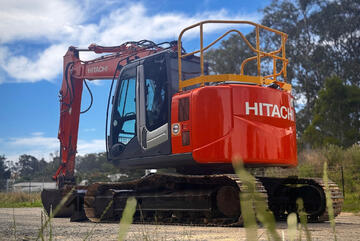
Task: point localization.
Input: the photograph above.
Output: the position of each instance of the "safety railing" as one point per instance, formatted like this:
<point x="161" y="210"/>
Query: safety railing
<point x="276" y="55"/>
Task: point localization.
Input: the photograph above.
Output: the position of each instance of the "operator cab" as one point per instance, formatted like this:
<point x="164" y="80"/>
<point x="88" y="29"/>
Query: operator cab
<point x="141" y="109"/>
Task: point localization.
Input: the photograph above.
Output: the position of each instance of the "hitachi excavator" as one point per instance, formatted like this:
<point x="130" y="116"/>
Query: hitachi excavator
<point x="168" y="111"/>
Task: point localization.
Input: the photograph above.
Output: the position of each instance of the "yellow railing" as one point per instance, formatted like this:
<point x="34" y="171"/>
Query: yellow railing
<point x="276" y="55"/>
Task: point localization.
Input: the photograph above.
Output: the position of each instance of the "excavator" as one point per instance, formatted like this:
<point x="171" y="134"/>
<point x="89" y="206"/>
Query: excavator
<point x="166" y="109"/>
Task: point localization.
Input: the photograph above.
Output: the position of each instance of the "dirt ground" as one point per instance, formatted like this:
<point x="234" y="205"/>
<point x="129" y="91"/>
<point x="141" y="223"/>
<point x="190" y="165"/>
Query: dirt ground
<point x="27" y="225"/>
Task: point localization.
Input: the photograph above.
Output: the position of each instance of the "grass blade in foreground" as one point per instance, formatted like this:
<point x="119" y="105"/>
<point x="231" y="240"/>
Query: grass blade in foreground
<point x="246" y="200"/>
<point x="329" y="203"/>
<point x="252" y="203"/>
<point x="89" y="234"/>
<point x="14" y="225"/>
<point x="127" y="217"/>
<point x="303" y="219"/>
<point x="57" y="209"/>
<point x="292" y="226"/>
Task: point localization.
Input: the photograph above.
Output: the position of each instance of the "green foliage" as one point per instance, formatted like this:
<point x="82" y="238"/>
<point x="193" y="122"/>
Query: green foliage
<point x="351" y="203"/>
<point x="30" y="168"/>
<point x="323" y="42"/>
<point x="228" y="57"/>
<point x="92" y="167"/>
<point x="336" y="116"/>
<point x="339" y="160"/>
<point x="20" y="200"/>
<point x="95" y="167"/>
<point x="4" y="172"/>
<point x="343" y="163"/>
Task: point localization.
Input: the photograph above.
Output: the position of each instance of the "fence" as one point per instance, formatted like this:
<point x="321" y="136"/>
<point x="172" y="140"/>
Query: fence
<point x="9" y="185"/>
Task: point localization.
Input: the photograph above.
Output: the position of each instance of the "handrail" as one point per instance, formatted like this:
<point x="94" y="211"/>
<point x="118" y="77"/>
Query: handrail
<point x="259" y="54"/>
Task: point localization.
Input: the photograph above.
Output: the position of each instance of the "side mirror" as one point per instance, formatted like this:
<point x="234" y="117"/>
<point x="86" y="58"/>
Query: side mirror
<point x="117" y="149"/>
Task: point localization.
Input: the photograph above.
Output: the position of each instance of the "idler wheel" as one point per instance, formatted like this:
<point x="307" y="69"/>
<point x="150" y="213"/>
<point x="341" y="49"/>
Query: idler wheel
<point x="228" y="202"/>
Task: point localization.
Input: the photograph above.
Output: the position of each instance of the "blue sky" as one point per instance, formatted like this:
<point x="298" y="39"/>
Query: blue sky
<point x="36" y="34"/>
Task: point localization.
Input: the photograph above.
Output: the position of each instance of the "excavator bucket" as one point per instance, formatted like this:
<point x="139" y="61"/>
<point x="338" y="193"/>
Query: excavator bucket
<point x="73" y="207"/>
<point x="51" y="198"/>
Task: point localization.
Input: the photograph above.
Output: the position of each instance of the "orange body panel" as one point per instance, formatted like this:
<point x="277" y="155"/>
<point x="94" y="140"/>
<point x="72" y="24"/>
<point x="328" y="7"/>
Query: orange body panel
<point x="252" y="122"/>
<point x="176" y="139"/>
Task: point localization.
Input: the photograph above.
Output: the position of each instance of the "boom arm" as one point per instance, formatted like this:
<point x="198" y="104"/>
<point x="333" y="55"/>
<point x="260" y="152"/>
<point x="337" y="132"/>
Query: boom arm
<point x="75" y="71"/>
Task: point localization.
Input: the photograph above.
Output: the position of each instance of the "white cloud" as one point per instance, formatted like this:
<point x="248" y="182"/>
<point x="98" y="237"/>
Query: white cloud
<point x="64" y="23"/>
<point x="47" y="65"/>
<point x="23" y="19"/>
<point x="37" y="140"/>
<point x="36" y="145"/>
<point x="92" y="146"/>
<point x="41" y="146"/>
<point x="134" y="23"/>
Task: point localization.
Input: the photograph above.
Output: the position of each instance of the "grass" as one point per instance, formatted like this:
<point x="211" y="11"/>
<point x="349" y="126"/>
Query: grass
<point x="20" y="200"/>
<point x="351" y="203"/>
<point x="127" y="217"/>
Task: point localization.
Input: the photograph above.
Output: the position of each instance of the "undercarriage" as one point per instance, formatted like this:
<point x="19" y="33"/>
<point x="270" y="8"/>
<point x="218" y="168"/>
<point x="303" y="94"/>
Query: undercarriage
<point x="208" y="200"/>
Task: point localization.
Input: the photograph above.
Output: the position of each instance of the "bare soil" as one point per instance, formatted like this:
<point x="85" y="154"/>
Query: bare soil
<point x="28" y="222"/>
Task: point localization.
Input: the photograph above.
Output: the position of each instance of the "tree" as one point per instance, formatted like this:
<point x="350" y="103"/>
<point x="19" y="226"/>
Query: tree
<point x="30" y="168"/>
<point x="227" y="58"/>
<point x="336" y="115"/>
<point x="4" y="172"/>
<point x="324" y="40"/>
<point x="95" y="167"/>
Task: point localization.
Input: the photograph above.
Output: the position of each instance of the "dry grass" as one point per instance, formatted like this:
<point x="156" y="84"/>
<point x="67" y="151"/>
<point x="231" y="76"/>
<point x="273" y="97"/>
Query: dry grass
<point x="19" y="199"/>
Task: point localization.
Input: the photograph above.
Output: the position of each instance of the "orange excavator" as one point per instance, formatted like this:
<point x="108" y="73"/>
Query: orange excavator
<point x="169" y="111"/>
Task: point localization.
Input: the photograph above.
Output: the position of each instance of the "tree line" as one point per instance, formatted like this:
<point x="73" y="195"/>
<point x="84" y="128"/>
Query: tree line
<point x="92" y="167"/>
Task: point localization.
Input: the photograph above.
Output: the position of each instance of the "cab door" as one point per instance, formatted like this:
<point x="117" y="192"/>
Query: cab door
<point x="140" y="113"/>
<point x="153" y="104"/>
<point x="123" y="117"/>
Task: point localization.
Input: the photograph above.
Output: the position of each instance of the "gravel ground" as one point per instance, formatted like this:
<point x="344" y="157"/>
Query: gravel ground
<point x="28" y="221"/>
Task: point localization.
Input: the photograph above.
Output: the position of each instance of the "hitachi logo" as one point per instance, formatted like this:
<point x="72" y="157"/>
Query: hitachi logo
<point x="97" y="69"/>
<point x="271" y="110"/>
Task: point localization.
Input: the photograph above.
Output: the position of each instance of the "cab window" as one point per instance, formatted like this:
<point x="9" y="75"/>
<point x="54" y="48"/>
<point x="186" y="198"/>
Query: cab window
<point x="155" y="94"/>
<point x="126" y="107"/>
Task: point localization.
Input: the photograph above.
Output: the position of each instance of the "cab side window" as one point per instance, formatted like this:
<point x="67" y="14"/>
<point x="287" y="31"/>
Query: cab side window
<point x="155" y="94"/>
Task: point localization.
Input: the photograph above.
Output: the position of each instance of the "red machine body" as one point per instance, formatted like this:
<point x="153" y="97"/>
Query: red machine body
<point x="249" y="122"/>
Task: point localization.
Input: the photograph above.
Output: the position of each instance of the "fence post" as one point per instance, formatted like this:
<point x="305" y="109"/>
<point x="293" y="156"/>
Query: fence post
<point x="342" y="180"/>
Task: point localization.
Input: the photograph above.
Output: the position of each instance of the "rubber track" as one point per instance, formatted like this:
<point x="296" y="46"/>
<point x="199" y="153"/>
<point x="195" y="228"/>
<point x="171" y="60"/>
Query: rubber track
<point x="192" y="220"/>
<point x="336" y="197"/>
